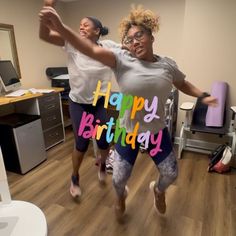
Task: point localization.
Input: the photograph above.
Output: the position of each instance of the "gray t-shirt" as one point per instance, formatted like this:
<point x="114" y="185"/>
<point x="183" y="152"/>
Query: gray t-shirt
<point x="145" y="79"/>
<point x="85" y="72"/>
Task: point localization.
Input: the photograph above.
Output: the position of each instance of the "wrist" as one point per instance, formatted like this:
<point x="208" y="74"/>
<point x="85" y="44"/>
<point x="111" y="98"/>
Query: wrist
<point x="203" y="95"/>
<point x="62" y="29"/>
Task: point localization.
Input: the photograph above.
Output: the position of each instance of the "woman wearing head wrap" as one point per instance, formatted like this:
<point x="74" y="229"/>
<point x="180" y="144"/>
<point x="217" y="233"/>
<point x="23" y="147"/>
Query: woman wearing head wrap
<point x="84" y="73"/>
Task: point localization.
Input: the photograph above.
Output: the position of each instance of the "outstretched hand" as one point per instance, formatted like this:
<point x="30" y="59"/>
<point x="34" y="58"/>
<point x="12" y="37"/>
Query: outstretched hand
<point x="49" y="3"/>
<point x="51" y="19"/>
<point x="210" y="101"/>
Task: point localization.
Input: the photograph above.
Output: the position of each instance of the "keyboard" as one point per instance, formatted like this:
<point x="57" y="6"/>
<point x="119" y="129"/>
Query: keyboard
<point x="17" y="93"/>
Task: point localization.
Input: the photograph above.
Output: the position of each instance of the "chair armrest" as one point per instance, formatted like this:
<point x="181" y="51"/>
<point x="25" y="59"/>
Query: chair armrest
<point x="233" y="108"/>
<point x="187" y="106"/>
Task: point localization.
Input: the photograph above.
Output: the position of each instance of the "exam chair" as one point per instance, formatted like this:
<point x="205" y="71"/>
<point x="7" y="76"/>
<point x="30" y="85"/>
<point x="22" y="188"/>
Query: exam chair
<point x="18" y="217"/>
<point x="203" y="119"/>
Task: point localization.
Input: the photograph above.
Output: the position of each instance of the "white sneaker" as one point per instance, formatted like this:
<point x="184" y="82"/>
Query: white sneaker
<point x="75" y="190"/>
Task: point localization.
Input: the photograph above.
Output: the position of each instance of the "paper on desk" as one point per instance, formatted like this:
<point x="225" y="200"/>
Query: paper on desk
<point x="44" y="90"/>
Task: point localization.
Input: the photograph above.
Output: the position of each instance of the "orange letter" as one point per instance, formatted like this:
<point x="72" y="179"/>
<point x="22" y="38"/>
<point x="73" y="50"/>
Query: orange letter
<point x="137" y="106"/>
<point x="131" y="137"/>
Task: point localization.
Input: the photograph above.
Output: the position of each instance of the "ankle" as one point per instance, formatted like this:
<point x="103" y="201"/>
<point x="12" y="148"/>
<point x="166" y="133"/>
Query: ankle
<point x="75" y="179"/>
<point x="158" y="192"/>
<point x="103" y="166"/>
<point x="120" y="201"/>
<point x="123" y="196"/>
<point x="160" y="195"/>
<point x="154" y="187"/>
<point x="75" y="173"/>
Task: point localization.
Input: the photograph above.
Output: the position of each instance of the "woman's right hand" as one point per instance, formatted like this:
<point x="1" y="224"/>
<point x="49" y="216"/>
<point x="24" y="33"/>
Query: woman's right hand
<point x="210" y="101"/>
<point x="49" y="16"/>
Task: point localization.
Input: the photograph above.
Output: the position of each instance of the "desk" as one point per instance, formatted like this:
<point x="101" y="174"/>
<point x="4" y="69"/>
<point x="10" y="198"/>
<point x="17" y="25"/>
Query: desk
<point x="48" y="106"/>
<point x="10" y="100"/>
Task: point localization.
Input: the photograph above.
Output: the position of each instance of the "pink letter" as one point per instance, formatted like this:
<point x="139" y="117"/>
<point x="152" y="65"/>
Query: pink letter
<point x="86" y="121"/>
<point x="157" y="149"/>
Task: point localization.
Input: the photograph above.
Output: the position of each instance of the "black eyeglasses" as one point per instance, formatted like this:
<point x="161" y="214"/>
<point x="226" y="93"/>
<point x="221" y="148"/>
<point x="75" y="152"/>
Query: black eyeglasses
<point x="130" y="40"/>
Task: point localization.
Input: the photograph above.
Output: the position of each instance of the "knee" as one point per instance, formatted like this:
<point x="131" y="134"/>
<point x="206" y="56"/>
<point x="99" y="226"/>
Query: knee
<point x="81" y="145"/>
<point x="170" y="174"/>
<point x="121" y="171"/>
<point x="166" y="179"/>
<point x="118" y="186"/>
<point x="81" y="148"/>
<point x="102" y="143"/>
<point x="117" y="181"/>
<point x="103" y="146"/>
<point x="173" y="173"/>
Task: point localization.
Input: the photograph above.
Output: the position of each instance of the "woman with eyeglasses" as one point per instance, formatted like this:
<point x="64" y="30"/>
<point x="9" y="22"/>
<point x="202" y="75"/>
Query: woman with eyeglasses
<point x="141" y="73"/>
<point x="84" y="73"/>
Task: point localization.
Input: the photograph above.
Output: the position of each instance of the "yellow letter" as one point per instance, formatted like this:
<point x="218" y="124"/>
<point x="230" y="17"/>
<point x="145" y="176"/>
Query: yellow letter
<point x="97" y="93"/>
<point x="99" y="131"/>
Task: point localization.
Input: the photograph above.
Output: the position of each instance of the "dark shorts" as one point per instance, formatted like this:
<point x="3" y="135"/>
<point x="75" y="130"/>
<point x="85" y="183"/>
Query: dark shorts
<point x="99" y="112"/>
<point x="130" y="154"/>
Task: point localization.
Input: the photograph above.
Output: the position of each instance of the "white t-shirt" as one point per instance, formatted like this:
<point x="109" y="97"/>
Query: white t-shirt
<point x="85" y="72"/>
<point x="145" y="79"/>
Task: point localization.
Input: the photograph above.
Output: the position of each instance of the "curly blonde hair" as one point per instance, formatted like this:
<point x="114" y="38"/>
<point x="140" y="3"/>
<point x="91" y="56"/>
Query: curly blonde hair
<point x="140" y="17"/>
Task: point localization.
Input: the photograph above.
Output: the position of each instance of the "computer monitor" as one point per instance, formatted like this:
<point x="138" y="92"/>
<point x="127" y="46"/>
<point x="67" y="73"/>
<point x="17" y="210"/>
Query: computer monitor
<point x="8" y="76"/>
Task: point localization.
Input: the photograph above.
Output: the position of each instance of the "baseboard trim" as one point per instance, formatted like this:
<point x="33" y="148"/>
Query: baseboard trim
<point x="198" y="145"/>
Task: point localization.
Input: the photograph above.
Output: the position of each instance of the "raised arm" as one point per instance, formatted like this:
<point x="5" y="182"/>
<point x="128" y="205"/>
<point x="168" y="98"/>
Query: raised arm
<point x="85" y="46"/>
<point x="47" y="34"/>
<point x="189" y="89"/>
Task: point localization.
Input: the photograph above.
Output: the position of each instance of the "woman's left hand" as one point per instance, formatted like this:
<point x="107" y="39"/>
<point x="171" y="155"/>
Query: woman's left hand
<point x="210" y="101"/>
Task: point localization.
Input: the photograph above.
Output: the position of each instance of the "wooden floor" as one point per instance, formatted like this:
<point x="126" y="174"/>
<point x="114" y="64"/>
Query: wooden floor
<point x="198" y="203"/>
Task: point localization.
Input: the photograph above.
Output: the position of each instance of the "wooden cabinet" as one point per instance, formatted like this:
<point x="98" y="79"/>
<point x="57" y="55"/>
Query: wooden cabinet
<point x="49" y="107"/>
<point x="52" y="119"/>
<point x="66" y="113"/>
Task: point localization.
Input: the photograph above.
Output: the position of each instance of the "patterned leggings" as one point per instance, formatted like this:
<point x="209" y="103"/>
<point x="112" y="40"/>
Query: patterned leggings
<point x="122" y="170"/>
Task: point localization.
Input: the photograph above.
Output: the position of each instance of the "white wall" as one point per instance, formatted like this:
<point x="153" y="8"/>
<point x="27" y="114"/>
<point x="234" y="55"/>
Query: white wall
<point x="34" y="55"/>
<point x="208" y="46"/>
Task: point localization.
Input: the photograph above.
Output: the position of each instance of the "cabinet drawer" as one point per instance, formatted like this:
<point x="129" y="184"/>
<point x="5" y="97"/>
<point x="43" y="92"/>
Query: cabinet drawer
<point x="51" y="119"/>
<point x="53" y="136"/>
<point x="49" y="103"/>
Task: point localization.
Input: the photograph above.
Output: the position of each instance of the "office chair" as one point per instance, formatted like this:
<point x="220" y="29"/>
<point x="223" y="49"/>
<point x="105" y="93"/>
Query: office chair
<point x="204" y="119"/>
